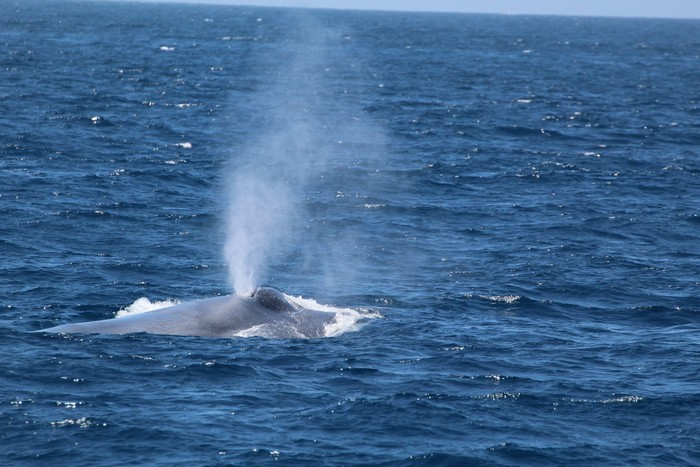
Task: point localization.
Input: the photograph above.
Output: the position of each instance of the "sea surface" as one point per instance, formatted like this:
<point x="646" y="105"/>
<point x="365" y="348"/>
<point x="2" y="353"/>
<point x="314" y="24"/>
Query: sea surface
<point x="512" y="203"/>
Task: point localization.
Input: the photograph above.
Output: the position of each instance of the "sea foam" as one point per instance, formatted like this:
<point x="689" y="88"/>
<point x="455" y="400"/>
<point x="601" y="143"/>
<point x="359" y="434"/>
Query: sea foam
<point x="143" y="305"/>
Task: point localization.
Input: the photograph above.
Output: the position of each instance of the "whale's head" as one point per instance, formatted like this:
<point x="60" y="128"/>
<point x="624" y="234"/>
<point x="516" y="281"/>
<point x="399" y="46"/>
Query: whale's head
<point x="272" y="299"/>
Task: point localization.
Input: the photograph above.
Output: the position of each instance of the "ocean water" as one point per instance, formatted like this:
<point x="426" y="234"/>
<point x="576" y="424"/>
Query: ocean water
<point x="517" y="198"/>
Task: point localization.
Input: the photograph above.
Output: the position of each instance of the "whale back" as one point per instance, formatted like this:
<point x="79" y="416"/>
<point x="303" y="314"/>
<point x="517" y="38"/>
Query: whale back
<point x="272" y="299"/>
<point x="266" y="313"/>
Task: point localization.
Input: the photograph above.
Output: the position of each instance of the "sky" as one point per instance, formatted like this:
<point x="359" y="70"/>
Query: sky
<point x="634" y="8"/>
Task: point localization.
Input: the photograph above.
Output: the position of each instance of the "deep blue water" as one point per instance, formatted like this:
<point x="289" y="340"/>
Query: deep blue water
<point x="518" y="197"/>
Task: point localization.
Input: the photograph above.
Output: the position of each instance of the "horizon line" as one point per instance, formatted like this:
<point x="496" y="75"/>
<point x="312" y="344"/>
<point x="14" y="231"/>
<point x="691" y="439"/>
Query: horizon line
<point x="419" y="10"/>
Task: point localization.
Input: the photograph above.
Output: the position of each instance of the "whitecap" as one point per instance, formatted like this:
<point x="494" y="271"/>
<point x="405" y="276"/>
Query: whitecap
<point x="68" y="404"/>
<point x="82" y="422"/>
<point x="622" y="399"/>
<point x="614" y="400"/>
<point x="501" y="298"/>
<point x="500" y="396"/>
<point x="239" y="38"/>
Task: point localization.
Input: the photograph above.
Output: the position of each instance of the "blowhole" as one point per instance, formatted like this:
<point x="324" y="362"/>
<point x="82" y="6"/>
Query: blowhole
<point x="272" y="299"/>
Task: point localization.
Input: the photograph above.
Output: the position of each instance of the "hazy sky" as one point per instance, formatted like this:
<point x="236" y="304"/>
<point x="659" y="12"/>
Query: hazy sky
<point x="653" y="8"/>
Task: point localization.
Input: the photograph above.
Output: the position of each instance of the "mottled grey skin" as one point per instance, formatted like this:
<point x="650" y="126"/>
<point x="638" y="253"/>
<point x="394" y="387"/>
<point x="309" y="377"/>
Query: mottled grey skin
<point x="267" y="310"/>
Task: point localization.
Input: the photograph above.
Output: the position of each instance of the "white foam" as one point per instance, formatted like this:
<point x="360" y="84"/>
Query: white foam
<point x="623" y="399"/>
<point x="143" y="305"/>
<point x="239" y="38"/>
<point x="344" y="322"/>
<point x="346" y="319"/>
<point x="268" y="330"/>
<point x="614" y="400"/>
<point x="502" y="298"/>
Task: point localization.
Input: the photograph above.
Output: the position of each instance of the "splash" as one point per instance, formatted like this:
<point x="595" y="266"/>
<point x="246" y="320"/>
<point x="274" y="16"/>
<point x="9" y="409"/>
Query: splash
<point x="143" y="305"/>
<point x="345" y="320"/>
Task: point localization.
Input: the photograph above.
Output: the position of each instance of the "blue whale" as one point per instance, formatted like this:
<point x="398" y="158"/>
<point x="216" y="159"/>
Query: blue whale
<point x="267" y="312"/>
